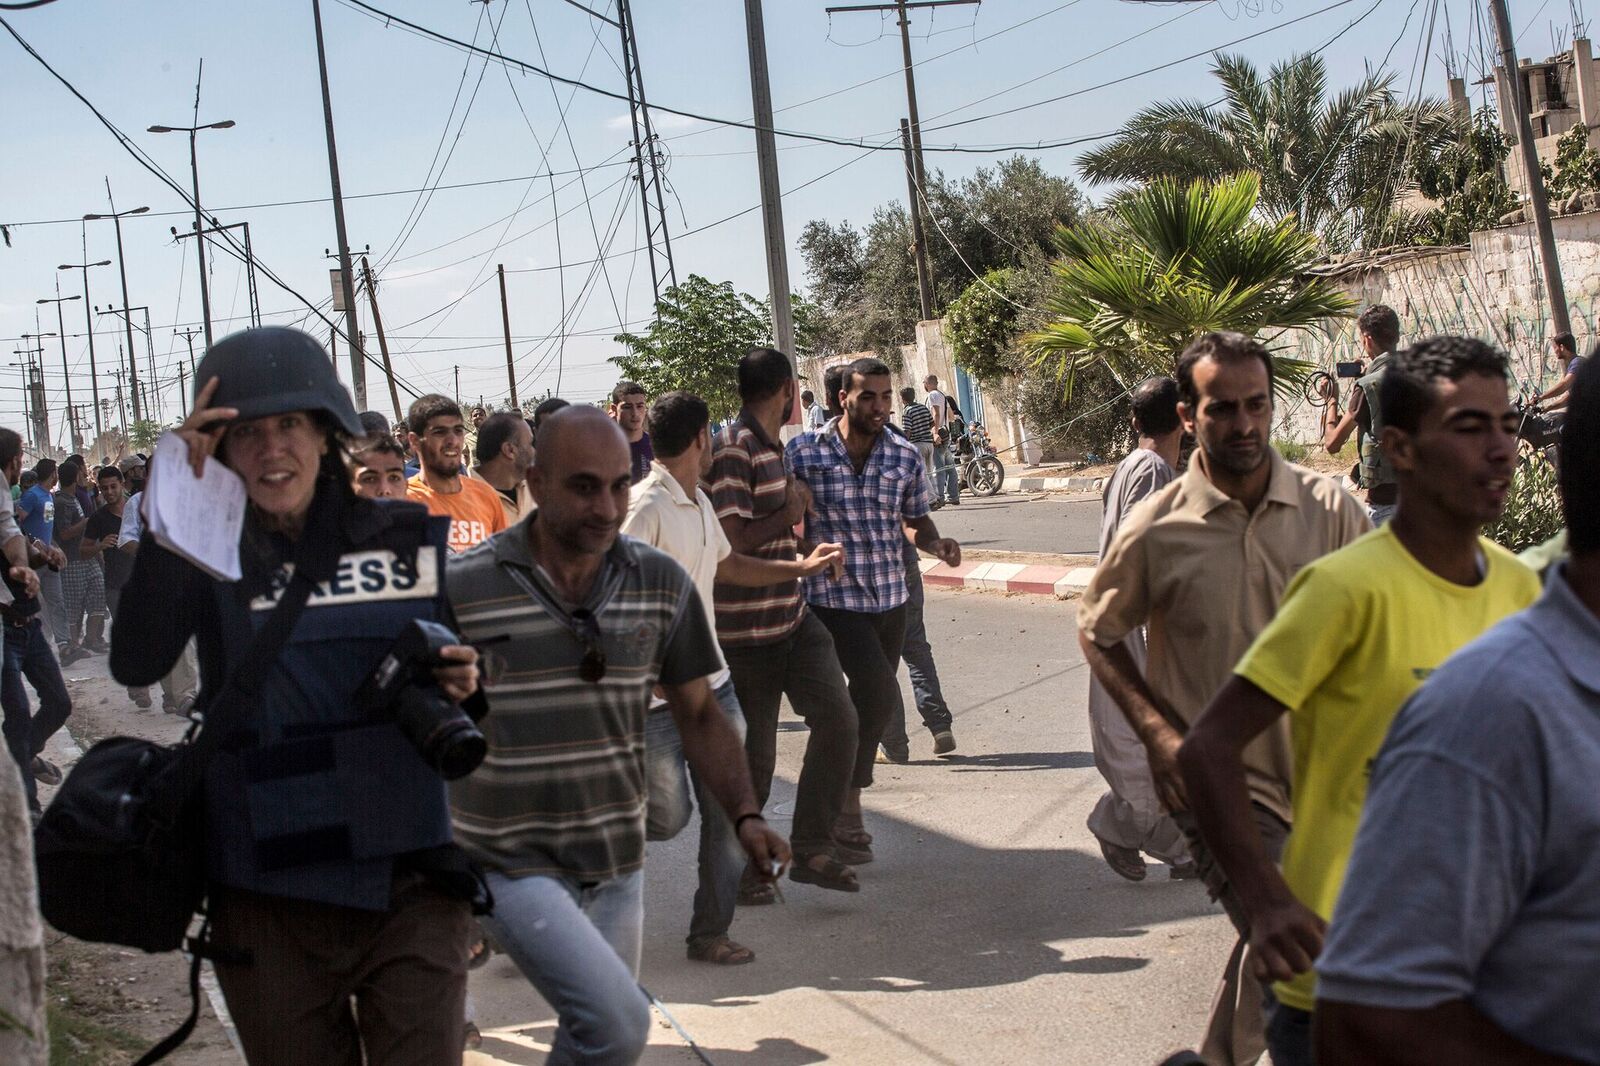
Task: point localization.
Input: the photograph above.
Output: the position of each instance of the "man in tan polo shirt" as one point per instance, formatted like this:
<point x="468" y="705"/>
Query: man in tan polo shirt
<point x="1202" y="564"/>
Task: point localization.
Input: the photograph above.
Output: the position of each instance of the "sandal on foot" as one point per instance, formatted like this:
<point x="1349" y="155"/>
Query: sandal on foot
<point x="834" y="874"/>
<point x="720" y="951"/>
<point x="849" y="830"/>
<point x="754" y="893"/>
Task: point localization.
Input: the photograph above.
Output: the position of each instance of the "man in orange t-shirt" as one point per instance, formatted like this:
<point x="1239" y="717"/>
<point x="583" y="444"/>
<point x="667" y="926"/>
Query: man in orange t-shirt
<point x="438" y="436"/>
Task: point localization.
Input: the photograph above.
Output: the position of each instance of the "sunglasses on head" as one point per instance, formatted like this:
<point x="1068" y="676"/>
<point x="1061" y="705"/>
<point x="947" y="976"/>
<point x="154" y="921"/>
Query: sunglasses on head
<point x="593" y="666"/>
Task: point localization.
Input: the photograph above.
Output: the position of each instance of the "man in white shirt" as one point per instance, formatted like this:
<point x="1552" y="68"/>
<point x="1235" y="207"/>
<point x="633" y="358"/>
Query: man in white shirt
<point x="669" y="511"/>
<point x="946" y="478"/>
<point x="816" y="414"/>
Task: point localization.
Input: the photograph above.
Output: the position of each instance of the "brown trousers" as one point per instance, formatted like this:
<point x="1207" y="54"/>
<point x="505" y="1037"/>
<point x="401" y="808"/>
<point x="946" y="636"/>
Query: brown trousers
<point x="1236" y="1033"/>
<point x="405" y="970"/>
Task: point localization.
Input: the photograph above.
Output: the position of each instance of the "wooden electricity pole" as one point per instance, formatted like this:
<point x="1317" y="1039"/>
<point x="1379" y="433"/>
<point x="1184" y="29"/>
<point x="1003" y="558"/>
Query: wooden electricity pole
<point x="383" y="342"/>
<point x="771" y="193"/>
<point x="505" y="321"/>
<point x="1538" y="204"/>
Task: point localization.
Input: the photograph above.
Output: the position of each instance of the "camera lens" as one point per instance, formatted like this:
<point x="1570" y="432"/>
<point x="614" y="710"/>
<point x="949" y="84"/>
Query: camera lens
<point x="440" y="731"/>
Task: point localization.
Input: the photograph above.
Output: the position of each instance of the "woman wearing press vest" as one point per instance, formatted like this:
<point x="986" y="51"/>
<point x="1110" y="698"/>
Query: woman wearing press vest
<point x="327" y="833"/>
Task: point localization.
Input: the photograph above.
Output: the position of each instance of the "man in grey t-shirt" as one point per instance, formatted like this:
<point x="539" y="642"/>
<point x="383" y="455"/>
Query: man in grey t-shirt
<point x="1129" y="819"/>
<point x="1468" y="927"/>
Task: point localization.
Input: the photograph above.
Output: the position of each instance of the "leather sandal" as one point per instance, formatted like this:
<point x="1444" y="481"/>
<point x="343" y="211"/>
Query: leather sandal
<point x="720" y="951"/>
<point x="833" y="875"/>
<point x="849" y="830"/>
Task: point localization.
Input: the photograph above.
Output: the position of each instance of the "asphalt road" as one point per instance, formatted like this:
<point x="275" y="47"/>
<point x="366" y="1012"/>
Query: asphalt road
<point x="1052" y="523"/>
<point x="988" y="930"/>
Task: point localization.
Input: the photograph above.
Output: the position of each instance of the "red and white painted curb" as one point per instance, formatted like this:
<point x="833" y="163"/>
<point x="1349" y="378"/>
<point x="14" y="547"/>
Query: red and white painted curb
<point x="1062" y="582"/>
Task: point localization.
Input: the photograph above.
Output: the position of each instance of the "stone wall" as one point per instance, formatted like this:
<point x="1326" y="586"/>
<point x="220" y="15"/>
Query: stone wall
<point x="1491" y="288"/>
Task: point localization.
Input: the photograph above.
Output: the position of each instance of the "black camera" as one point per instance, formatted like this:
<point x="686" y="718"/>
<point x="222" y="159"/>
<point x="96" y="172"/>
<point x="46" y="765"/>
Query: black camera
<point x="443" y="734"/>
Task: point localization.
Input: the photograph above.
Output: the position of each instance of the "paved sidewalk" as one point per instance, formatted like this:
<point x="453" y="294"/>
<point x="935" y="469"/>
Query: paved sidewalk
<point x="1063" y="580"/>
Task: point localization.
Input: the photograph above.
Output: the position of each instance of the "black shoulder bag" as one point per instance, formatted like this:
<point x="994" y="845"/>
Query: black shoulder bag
<point x="121" y="849"/>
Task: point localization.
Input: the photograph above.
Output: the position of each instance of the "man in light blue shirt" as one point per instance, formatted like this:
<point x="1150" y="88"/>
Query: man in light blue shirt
<point x="1468" y="927"/>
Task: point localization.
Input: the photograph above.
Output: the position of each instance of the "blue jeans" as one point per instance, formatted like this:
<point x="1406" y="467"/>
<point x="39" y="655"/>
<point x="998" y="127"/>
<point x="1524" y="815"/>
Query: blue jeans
<point x="28" y="654"/>
<point x="667" y="776"/>
<point x="918" y="655"/>
<point x="1288" y="1033"/>
<point x="579" y="946"/>
<point x="946" y="475"/>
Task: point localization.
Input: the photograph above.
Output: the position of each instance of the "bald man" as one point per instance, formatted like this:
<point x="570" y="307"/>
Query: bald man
<point x="556" y="813"/>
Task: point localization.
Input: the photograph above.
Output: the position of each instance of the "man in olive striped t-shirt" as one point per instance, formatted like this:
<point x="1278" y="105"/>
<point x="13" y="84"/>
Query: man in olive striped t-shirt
<point x="556" y="813"/>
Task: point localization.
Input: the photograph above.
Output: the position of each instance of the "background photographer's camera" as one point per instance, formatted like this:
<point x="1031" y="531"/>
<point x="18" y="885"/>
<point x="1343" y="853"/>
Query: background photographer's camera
<point x="402" y="685"/>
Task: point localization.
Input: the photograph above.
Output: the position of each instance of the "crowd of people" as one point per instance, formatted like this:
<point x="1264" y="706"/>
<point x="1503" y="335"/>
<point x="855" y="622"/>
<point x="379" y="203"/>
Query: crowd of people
<point x="1357" y="722"/>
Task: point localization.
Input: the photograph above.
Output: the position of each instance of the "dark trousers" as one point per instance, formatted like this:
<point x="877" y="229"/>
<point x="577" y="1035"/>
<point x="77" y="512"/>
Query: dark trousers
<point x="918" y="655"/>
<point x="869" y="647"/>
<point x="302" y="963"/>
<point x="28" y="654"/>
<point x="1288" y="1033"/>
<point x="804" y="667"/>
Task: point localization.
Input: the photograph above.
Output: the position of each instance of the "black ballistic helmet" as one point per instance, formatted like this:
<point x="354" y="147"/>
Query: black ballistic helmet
<point x="271" y="370"/>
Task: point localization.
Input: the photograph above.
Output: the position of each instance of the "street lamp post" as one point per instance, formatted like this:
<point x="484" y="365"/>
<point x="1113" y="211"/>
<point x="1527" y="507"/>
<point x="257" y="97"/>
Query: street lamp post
<point x="88" y="318"/>
<point x="116" y="218"/>
<point x="66" y="376"/>
<point x="199" y="223"/>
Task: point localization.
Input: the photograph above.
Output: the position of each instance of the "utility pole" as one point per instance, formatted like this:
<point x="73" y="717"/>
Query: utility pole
<point x="249" y="260"/>
<point x="189" y="335"/>
<point x="122" y="267"/>
<point x="919" y="173"/>
<point x="457" y="396"/>
<point x="88" y="318"/>
<point x="122" y="408"/>
<point x="199" y="221"/>
<point x="505" y="322"/>
<point x="383" y="342"/>
<point x="771" y="190"/>
<point x="66" y="375"/>
<point x="1538" y="204"/>
<point x="358" y="371"/>
<point x="919" y="243"/>
<point x="183" y="393"/>
<point x="663" y="274"/>
<point x="133" y="366"/>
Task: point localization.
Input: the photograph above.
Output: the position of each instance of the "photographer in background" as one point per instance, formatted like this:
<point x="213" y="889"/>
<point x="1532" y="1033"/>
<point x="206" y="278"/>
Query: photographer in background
<point x="1379" y="330"/>
<point x="332" y="878"/>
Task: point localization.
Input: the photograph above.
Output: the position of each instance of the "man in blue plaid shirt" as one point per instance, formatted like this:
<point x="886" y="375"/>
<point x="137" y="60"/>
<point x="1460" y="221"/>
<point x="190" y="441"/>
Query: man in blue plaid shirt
<point x="868" y="493"/>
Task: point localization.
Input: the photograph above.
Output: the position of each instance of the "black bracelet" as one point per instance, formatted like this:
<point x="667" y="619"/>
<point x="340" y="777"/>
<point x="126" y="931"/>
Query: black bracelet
<point x="743" y="818"/>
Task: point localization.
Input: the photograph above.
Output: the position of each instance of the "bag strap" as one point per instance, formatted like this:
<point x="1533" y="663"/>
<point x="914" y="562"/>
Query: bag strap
<point x="183" y="1031"/>
<point x="318" y="551"/>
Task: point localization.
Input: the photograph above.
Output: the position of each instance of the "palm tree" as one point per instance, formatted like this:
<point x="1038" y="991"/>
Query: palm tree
<point x="1335" y="165"/>
<point x="1173" y="261"/>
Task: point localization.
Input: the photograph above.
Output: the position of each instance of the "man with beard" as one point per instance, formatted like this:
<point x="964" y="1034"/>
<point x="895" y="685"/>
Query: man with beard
<point x="1202" y="565"/>
<point x="556" y="815"/>
<point x="869" y="493"/>
<point x="1356" y="634"/>
<point x="440" y="437"/>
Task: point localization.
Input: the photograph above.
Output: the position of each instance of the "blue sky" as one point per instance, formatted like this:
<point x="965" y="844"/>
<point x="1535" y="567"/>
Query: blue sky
<point x="393" y="94"/>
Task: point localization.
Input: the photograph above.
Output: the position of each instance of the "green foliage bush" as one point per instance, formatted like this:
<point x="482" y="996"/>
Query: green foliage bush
<point x="1533" y="510"/>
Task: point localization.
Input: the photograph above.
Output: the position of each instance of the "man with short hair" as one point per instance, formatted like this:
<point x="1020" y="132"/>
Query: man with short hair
<point x="504" y="453"/>
<point x="668" y="510"/>
<point x="917" y="422"/>
<point x="773" y="645"/>
<point x="868" y="493"/>
<point x="1379" y="331"/>
<point x="1566" y="351"/>
<point x="83" y="590"/>
<point x="556" y="814"/>
<point x="816" y="414"/>
<point x="627" y="409"/>
<point x="946" y="478"/>
<point x="36" y="514"/>
<point x="378" y="469"/>
<point x="1202" y="564"/>
<point x="1468" y="934"/>
<point x="26" y="650"/>
<point x="1128" y="821"/>
<point x="439" y="439"/>
<point x="1355" y="634"/>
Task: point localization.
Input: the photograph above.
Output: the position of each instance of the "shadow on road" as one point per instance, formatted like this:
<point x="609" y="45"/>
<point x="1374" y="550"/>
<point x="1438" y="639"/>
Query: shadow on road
<point x="1015" y="760"/>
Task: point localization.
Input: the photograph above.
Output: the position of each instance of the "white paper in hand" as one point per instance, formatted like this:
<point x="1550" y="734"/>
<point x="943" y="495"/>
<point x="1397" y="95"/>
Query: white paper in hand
<point x="200" y="518"/>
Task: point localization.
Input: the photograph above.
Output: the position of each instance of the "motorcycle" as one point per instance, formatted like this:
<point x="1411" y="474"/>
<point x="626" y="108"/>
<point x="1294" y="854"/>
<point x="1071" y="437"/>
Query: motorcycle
<point x="981" y="470"/>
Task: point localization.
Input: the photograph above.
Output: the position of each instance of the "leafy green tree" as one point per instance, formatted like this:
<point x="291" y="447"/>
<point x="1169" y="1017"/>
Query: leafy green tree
<point x="1577" y="166"/>
<point x="700" y="331"/>
<point x="1466" y="181"/>
<point x="1174" y="261"/>
<point x="864" y="281"/>
<point x="1330" y="163"/>
<point x="144" y="433"/>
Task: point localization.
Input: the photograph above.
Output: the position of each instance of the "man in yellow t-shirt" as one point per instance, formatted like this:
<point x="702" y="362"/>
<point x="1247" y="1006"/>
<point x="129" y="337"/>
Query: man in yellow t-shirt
<point x="1357" y="632"/>
<point x="438" y="436"/>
